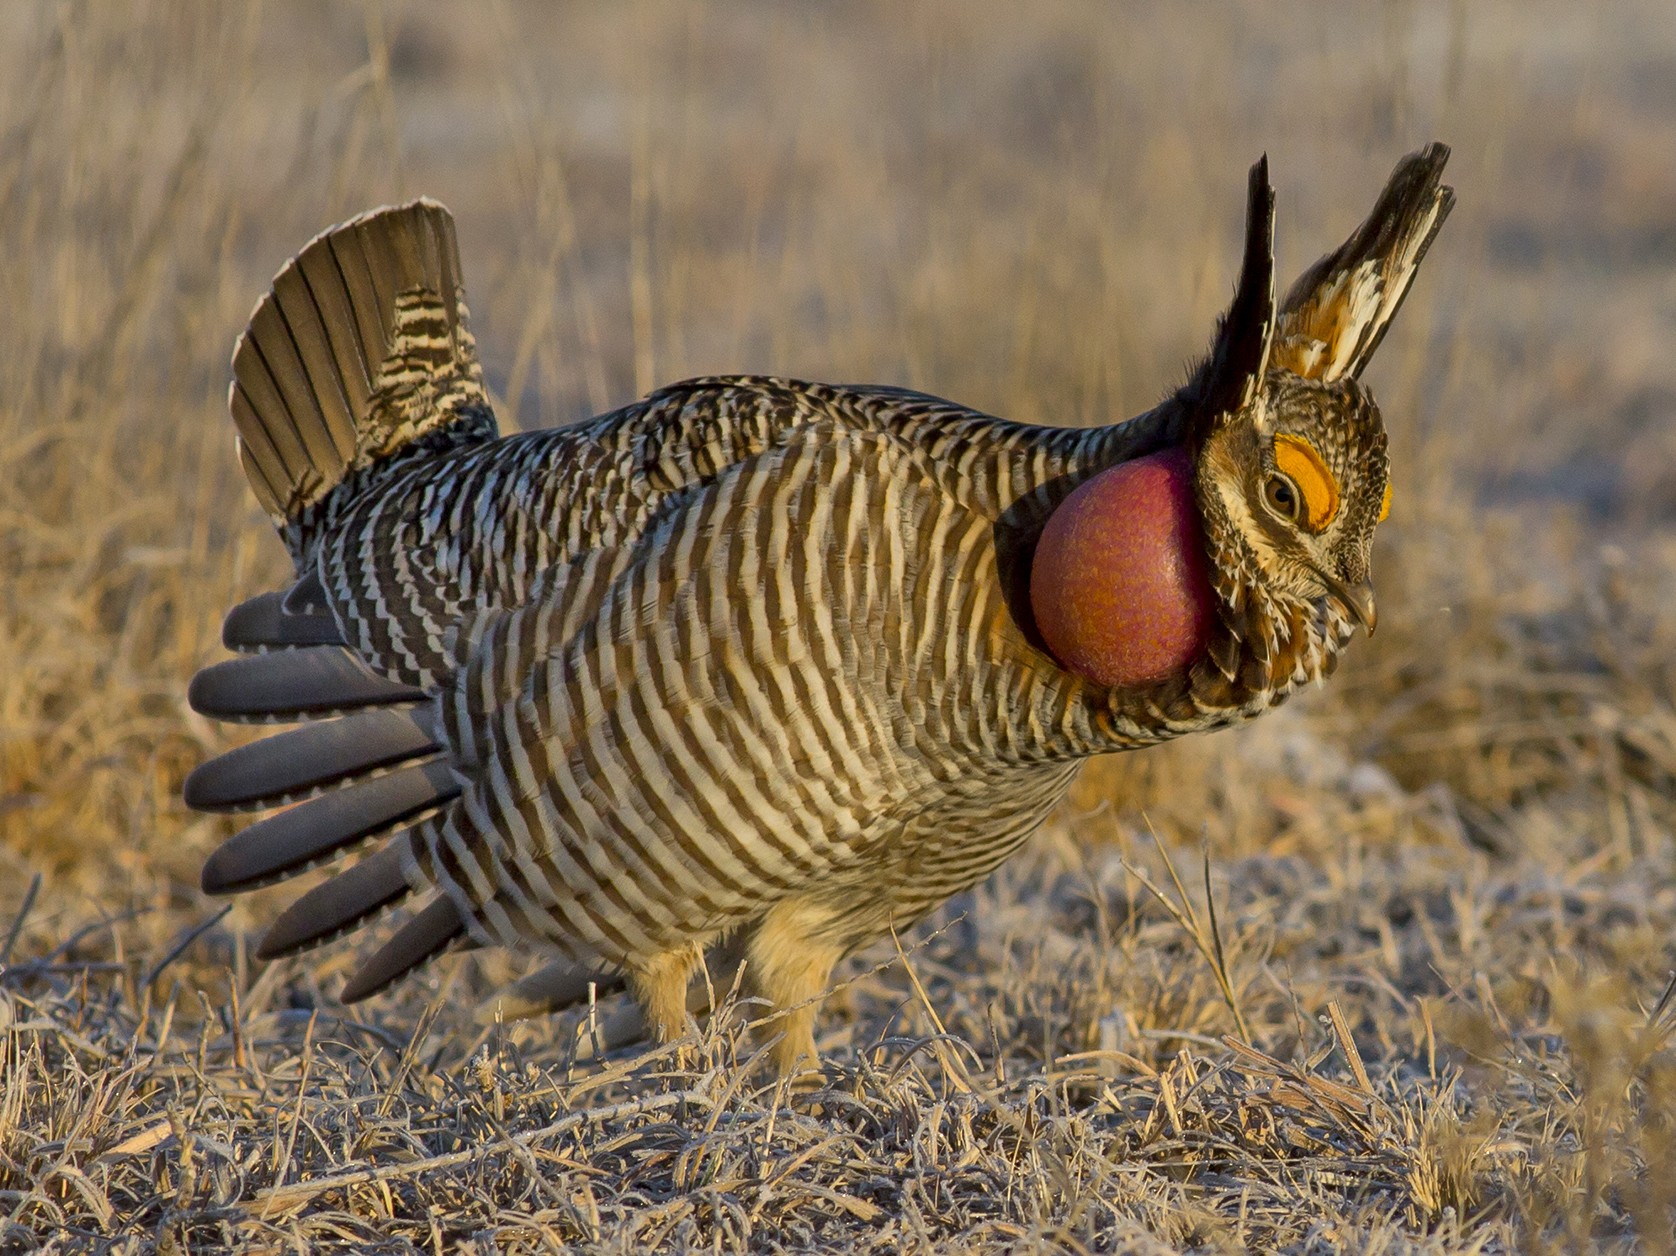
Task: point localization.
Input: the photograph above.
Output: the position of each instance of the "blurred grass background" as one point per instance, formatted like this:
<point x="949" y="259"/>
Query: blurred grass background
<point x="1033" y="210"/>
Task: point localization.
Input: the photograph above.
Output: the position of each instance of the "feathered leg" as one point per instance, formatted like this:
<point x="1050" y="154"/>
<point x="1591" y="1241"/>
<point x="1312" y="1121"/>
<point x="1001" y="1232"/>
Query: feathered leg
<point x="660" y="985"/>
<point x="789" y="960"/>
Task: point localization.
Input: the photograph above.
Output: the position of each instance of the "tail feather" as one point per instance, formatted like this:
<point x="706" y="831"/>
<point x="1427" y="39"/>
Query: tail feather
<point x="335" y="907"/>
<point x="361" y="346"/>
<point x="276" y="378"/>
<point x="289" y="767"/>
<point x="333" y="272"/>
<point x="313" y="832"/>
<point x="291" y="685"/>
<point x="264" y="623"/>
<point x="1337" y="313"/>
<point x="421" y="938"/>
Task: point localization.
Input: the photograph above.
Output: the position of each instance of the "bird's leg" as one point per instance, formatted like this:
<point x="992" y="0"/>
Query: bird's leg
<point x="660" y="985"/>
<point x="721" y="970"/>
<point x="633" y="1021"/>
<point x="789" y="961"/>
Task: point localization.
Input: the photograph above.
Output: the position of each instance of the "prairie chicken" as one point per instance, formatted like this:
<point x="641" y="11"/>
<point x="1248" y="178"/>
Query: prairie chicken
<point x="750" y="668"/>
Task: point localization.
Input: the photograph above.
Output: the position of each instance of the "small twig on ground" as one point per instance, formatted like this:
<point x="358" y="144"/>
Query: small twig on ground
<point x="284" y="1197"/>
<point x="953" y="1068"/>
<point x="17" y="920"/>
<point x="179" y="948"/>
<point x="1220" y="962"/>
<point x="1658" y="1019"/>
<point x="1347" y="1044"/>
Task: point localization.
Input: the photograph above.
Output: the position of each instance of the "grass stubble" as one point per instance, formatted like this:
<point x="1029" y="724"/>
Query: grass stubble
<point x="1386" y="971"/>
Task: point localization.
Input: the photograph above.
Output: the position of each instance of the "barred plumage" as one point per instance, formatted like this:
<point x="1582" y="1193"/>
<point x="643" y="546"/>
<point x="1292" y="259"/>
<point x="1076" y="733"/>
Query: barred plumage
<point x="746" y="666"/>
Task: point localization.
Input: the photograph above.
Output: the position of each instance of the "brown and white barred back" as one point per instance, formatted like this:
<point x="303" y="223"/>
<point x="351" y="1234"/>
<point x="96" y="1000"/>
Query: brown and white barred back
<point x="746" y="668"/>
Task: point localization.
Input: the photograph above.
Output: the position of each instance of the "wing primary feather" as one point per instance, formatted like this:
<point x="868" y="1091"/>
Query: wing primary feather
<point x="262" y="623"/>
<point x="289" y="766"/>
<point x="311" y="832"/>
<point x="420" y="939"/>
<point x="334" y="907"/>
<point x="307" y="596"/>
<point x="290" y="685"/>
<point x="558" y="986"/>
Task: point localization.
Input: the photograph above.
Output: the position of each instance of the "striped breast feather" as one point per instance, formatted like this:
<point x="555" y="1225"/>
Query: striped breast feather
<point x="723" y="727"/>
<point x="474" y="529"/>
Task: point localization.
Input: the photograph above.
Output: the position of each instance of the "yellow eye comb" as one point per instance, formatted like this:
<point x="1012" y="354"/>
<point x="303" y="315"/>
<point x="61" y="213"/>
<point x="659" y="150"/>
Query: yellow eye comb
<point x="1299" y="460"/>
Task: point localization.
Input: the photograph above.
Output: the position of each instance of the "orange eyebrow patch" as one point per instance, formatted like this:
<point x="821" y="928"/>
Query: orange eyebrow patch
<point x="1297" y="458"/>
<point x="1385" y="502"/>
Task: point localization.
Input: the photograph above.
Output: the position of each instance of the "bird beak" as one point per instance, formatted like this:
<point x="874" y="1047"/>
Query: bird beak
<point x="1357" y="600"/>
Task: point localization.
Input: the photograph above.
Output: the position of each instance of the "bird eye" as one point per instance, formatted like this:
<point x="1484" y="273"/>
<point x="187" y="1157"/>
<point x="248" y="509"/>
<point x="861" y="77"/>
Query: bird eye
<point x="1283" y="497"/>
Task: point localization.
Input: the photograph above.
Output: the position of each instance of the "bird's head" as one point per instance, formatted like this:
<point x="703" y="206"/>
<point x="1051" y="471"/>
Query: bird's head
<point x="1288" y="446"/>
<point x="1290" y="493"/>
<point x="1249" y="541"/>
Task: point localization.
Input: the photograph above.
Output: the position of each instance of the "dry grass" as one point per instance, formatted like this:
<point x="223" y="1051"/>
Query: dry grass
<point x="1444" y="887"/>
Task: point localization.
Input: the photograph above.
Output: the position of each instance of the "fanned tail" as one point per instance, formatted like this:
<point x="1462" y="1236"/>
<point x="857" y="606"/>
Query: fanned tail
<point x="361" y="347"/>
<point x="362" y="350"/>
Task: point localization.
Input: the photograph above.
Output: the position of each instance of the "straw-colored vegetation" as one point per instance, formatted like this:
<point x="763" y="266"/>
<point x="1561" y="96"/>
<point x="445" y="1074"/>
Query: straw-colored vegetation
<point x="1427" y="1015"/>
